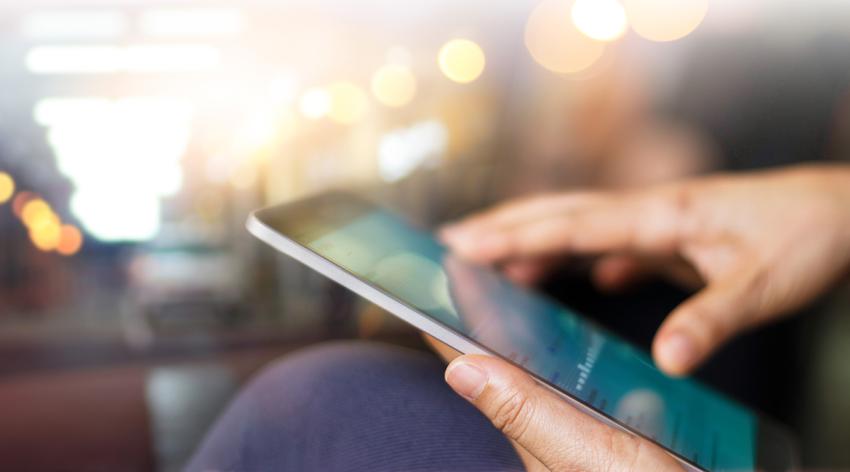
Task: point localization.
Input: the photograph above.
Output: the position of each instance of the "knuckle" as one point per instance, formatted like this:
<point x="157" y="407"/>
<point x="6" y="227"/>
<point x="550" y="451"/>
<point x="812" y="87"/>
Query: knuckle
<point x="665" y="219"/>
<point x="509" y="242"/>
<point x="682" y="201"/>
<point x="513" y="414"/>
<point x="758" y="287"/>
<point x="772" y="295"/>
<point x="512" y="242"/>
<point x="644" y="454"/>
<point x="683" y="213"/>
<point x="714" y="326"/>
<point x="711" y="328"/>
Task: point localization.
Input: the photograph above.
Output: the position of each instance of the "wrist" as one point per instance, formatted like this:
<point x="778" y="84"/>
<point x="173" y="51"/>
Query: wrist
<point x="832" y="181"/>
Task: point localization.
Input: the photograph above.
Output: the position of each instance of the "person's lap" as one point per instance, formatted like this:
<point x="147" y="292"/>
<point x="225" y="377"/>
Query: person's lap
<point x="353" y="406"/>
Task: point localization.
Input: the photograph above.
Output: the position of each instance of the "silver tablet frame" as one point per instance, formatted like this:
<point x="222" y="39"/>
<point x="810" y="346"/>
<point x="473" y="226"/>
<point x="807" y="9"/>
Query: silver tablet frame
<point x="418" y="320"/>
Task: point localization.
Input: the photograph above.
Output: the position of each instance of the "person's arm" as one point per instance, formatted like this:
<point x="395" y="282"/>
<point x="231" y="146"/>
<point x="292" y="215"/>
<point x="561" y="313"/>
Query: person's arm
<point x="760" y="245"/>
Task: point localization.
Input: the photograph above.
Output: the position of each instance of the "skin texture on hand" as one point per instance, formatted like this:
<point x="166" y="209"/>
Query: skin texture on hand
<point x="551" y="434"/>
<point x="758" y="246"/>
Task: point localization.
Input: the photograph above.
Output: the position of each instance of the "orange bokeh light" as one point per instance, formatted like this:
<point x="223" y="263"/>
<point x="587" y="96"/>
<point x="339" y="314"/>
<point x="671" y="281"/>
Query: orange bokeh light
<point x="554" y="41"/>
<point x="70" y="240"/>
<point x="665" y="20"/>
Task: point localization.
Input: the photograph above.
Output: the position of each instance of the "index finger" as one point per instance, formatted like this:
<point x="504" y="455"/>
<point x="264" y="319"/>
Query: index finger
<point x="519" y="211"/>
<point x="651" y="221"/>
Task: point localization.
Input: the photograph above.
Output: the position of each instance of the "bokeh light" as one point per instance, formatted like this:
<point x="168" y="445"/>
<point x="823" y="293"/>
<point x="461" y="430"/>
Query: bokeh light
<point x="283" y="88"/>
<point x="35" y="212"/>
<point x="70" y="240"/>
<point x="315" y="103"/>
<point x="245" y="176"/>
<point x="402" y="151"/>
<point x="20" y="200"/>
<point x="261" y="130"/>
<point x="7" y="187"/>
<point x="394" y="85"/>
<point x="349" y="103"/>
<point x="46" y="234"/>
<point x="665" y="20"/>
<point x="462" y="60"/>
<point x="603" y="20"/>
<point x="554" y="41"/>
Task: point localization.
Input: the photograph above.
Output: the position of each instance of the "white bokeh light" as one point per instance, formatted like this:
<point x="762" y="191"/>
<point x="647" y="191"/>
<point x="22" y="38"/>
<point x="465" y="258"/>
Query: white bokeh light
<point x="402" y="151"/>
<point x="602" y="20"/>
<point x="315" y="103"/>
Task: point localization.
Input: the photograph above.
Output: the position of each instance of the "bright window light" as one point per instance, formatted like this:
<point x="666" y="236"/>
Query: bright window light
<point x="122" y="157"/>
<point x="191" y="22"/>
<point x="55" y="111"/>
<point x="113" y="59"/>
<point x="73" y="25"/>
<point x="129" y="218"/>
<point x="170" y="58"/>
<point x="74" y="59"/>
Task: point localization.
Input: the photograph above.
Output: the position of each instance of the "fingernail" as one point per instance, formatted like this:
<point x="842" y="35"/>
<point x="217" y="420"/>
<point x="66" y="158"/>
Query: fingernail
<point x="678" y="351"/>
<point x="466" y="379"/>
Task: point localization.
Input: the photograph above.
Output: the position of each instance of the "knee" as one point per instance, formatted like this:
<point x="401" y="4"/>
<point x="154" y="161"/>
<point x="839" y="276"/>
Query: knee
<point x="338" y="375"/>
<point x="334" y="390"/>
<point x="334" y="362"/>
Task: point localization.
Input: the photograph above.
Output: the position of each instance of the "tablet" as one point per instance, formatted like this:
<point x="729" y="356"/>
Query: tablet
<point x="406" y="271"/>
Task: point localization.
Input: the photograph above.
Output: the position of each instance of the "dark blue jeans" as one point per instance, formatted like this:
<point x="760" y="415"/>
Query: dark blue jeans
<point x="353" y="407"/>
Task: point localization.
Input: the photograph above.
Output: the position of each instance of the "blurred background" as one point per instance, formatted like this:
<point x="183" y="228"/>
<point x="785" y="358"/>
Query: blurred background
<point x="135" y="137"/>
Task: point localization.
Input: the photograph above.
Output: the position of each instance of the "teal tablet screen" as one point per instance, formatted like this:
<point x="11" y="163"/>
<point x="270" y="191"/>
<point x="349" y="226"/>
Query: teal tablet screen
<point x="547" y="339"/>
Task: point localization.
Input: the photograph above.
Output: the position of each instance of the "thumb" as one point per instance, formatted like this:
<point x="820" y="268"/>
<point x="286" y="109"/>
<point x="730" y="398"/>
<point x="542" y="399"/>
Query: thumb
<point x="707" y="320"/>
<point x="558" y="435"/>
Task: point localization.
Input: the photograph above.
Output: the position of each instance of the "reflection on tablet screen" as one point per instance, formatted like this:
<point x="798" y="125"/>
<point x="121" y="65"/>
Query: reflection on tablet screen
<point x="545" y="338"/>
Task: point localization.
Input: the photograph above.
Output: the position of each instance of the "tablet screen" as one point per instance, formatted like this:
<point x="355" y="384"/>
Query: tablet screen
<point x="547" y="339"/>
